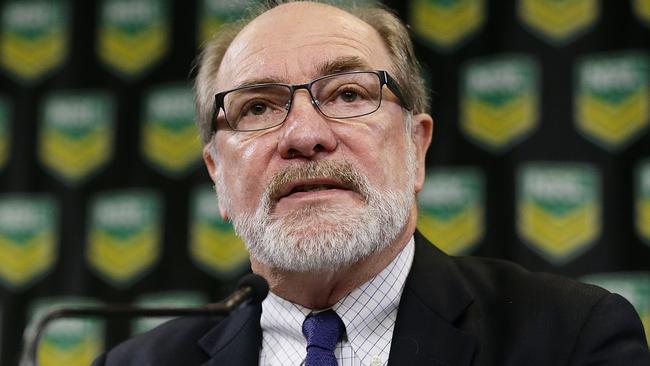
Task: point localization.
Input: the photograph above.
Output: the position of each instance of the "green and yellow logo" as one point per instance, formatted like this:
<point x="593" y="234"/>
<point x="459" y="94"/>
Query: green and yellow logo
<point x="214" y="246"/>
<point x="162" y="300"/>
<point x="558" y="209"/>
<point x="133" y="35"/>
<point x="612" y="100"/>
<point x="28" y="239"/>
<point x="451" y="209"/>
<point x="214" y="14"/>
<point x="5" y="132"/>
<point x="124" y="238"/>
<point x="558" y="21"/>
<point x="642" y="10"/>
<point x="34" y="39"/>
<point x="500" y="101"/>
<point x="170" y="139"/>
<point x="635" y="287"/>
<point x="446" y="23"/>
<point x="643" y="200"/>
<point x="76" y="136"/>
<point x="70" y="342"/>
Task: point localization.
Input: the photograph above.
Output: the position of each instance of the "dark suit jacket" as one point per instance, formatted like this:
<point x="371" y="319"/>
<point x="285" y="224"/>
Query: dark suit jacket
<point x="454" y="311"/>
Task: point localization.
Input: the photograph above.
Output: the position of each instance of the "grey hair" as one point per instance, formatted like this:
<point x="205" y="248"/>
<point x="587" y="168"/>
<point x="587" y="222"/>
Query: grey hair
<point x="407" y="71"/>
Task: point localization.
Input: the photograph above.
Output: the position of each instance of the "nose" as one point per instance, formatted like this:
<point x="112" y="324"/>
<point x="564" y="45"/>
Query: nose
<point x="305" y="133"/>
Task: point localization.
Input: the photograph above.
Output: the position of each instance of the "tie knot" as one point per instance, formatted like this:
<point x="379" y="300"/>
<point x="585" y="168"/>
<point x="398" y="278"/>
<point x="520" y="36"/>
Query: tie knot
<point x="323" y="329"/>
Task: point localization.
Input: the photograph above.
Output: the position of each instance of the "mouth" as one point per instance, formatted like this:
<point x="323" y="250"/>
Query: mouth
<point x="305" y="187"/>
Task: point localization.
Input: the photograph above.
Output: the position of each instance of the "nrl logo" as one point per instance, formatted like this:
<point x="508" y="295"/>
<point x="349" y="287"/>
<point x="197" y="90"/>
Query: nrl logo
<point x="124" y="237"/>
<point x="446" y="23"/>
<point x="133" y="35"/>
<point x="451" y="212"/>
<point x="76" y="136"/>
<point x="558" y="21"/>
<point x="499" y="101"/>
<point x="33" y="37"/>
<point x="558" y="209"/>
<point x="214" y="246"/>
<point x="170" y="138"/>
<point x="70" y="342"/>
<point x="612" y="100"/>
<point x="28" y="239"/>
<point x="643" y="200"/>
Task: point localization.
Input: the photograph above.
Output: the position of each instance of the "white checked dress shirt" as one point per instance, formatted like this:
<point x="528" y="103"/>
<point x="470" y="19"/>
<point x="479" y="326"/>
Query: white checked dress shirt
<point x="368" y="312"/>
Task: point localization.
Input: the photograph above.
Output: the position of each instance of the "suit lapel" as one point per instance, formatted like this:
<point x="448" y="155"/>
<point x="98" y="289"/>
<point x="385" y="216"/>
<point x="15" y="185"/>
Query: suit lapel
<point x="430" y="321"/>
<point x="236" y="340"/>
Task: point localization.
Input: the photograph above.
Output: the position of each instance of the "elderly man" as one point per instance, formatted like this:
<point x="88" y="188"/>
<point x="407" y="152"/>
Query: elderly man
<point x="315" y="132"/>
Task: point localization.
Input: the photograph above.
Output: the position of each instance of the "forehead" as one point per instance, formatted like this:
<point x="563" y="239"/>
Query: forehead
<point x="292" y="42"/>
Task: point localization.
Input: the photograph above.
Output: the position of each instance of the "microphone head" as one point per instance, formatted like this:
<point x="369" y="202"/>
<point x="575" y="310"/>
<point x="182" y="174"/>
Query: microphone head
<point x="258" y="285"/>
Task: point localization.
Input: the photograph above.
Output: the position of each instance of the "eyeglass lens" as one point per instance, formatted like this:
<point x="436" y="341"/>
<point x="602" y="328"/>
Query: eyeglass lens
<point x="337" y="96"/>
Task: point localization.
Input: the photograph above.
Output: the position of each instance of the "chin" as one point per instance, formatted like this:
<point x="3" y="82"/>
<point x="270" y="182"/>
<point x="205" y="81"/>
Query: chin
<point x="316" y="218"/>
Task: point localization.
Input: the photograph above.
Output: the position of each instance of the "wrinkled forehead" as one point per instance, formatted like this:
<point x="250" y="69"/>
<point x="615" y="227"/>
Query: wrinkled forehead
<point x="296" y="42"/>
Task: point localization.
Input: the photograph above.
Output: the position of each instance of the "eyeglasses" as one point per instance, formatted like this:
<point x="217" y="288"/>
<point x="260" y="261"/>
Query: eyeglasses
<point x="343" y="95"/>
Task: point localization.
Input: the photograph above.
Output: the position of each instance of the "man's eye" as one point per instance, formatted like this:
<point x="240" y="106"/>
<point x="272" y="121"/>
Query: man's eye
<point x="348" y="96"/>
<point x="256" y="108"/>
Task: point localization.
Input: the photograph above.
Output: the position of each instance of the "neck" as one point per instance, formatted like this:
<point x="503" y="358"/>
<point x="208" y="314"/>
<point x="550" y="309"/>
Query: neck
<point x="321" y="290"/>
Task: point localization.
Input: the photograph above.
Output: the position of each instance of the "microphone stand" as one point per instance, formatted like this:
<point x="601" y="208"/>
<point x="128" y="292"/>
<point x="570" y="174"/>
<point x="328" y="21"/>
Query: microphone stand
<point x="251" y="287"/>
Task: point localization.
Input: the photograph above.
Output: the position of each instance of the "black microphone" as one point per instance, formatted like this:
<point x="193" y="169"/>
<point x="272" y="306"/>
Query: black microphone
<point x="251" y="286"/>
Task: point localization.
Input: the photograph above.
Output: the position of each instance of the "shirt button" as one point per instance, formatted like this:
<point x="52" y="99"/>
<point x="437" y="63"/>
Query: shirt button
<point x="376" y="361"/>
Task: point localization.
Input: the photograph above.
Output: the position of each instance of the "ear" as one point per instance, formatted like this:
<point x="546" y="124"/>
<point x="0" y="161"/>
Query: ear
<point x="422" y="133"/>
<point x="211" y="163"/>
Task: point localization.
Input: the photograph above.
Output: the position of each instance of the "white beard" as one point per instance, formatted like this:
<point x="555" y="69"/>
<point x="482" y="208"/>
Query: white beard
<point x="324" y="237"/>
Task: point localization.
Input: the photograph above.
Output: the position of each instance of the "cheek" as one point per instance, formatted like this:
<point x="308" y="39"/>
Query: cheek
<point x="379" y="152"/>
<point x="244" y="163"/>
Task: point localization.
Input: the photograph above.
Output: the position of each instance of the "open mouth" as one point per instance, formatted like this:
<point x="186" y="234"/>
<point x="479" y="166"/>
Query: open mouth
<point x="311" y="186"/>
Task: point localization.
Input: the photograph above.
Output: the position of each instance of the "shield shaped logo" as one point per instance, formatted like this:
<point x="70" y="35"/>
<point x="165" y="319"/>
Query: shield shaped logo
<point x="133" y="35"/>
<point x="558" y="209"/>
<point x="451" y="209"/>
<point x="634" y="287"/>
<point x="34" y="37"/>
<point x="446" y="23"/>
<point x="76" y="135"/>
<point x="213" y="14"/>
<point x="214" y="246"/>
<point x="642" y="10"/>
<point x="499" y="101"/>
<point x="170" y="139"/>
<point x="5" y="133"/>
<point x="558" y="21"/>
<point x="124" y="238"/>
<point x="612" y="100"/>
<point x="642" y="199"/>
<point x="70" y="342"/>
<point x="28" y="239"/>
<point x="164" y="299"/>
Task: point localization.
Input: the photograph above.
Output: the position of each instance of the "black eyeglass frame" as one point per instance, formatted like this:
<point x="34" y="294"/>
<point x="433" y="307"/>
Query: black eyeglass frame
<point x="384" y="79"/>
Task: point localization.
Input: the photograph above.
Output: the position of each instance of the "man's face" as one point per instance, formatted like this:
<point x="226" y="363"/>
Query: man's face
<point x="312" y="175"/>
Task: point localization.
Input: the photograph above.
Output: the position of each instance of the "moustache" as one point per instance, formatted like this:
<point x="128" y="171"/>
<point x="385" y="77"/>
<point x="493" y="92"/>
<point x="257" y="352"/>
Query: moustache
<point x="341" y="171"/>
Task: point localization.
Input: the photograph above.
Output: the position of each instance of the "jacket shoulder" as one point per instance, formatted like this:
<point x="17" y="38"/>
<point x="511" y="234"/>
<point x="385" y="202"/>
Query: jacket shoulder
<point x="575" y="322"/>
<point x="502" y="280"/>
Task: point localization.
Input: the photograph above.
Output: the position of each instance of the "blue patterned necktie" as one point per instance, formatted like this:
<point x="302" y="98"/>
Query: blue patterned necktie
<point x="322" y="331"/>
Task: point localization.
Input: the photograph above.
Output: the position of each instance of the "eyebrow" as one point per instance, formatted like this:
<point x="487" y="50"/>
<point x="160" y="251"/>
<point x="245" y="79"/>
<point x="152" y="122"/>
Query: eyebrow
<point x="340" y="64"/>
